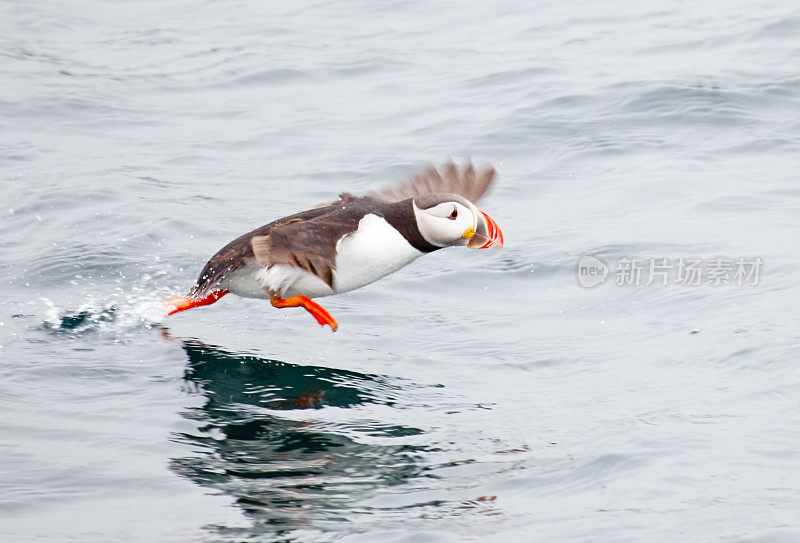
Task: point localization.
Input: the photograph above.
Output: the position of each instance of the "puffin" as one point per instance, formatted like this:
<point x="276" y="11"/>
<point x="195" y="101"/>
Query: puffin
<point x="347" y="244"/>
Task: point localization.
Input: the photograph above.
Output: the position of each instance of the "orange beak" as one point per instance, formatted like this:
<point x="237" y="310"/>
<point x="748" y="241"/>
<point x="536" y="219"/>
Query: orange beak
<point x="487" y="234"/>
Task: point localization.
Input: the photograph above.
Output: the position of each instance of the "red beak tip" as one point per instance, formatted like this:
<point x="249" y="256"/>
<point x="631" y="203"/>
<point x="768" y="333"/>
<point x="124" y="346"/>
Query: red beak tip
<point x="494" y="232"/>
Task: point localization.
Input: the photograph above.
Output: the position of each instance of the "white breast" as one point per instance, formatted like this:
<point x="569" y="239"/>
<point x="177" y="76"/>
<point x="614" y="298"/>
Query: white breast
<point x="373" y="251"/>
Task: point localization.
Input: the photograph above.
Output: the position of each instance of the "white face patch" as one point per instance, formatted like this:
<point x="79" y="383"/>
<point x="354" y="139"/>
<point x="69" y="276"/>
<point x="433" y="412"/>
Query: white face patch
<point x="444" y="224"/>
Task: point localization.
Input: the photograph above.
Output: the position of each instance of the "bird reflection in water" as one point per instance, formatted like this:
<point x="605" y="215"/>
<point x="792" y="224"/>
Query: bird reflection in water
<point x="285" y="472"/>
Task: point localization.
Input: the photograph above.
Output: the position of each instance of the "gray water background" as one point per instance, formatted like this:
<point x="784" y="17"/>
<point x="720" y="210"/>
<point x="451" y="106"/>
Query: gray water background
<point x="475" y="395"/>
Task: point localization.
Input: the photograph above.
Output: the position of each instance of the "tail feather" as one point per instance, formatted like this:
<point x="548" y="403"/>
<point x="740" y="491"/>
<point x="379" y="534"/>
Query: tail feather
<point x="212" y="275"/>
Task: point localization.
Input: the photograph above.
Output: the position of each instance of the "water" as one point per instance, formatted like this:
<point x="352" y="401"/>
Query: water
<point x="476" y="395"/>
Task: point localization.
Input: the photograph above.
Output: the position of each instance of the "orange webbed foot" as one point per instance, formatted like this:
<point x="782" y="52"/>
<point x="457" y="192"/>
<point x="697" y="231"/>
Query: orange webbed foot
<point x="182" y="303"/>
<point x="317" y="311"/>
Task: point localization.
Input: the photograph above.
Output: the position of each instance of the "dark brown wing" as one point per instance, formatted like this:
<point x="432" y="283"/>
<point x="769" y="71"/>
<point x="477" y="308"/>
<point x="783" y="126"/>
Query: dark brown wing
<point x="463" y="181"/>
<point x="310" y="245"/>
<point x="306" y="240"/>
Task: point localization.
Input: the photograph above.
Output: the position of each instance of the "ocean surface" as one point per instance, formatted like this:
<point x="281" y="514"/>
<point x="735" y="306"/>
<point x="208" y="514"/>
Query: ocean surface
<point x="472" y="396"/>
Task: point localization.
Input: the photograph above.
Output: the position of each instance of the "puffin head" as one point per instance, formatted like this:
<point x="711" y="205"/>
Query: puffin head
<point x="448" y="220"/>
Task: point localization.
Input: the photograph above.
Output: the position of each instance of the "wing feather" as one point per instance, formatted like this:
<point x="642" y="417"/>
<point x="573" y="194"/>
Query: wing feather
<point x="464" y="181"/>
<point x="310" y="245"/>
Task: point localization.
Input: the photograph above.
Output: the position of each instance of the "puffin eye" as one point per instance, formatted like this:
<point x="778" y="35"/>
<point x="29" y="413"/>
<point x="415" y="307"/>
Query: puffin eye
<point x="453" y="215"/>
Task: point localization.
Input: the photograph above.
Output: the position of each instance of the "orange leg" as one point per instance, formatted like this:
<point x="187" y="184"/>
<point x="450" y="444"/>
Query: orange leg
<point x="182" y="303"/>
<point x="316" y="310"/>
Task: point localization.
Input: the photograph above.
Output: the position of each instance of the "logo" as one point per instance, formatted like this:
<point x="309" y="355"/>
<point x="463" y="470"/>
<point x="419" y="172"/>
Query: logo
<point x="591" y="271"/>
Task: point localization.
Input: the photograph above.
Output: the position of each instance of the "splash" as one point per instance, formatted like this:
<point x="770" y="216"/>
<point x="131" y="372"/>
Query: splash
<point x="121" y="311"/>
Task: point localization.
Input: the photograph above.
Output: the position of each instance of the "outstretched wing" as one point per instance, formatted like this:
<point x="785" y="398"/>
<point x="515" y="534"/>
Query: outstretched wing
<point x="465" y="181"/>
